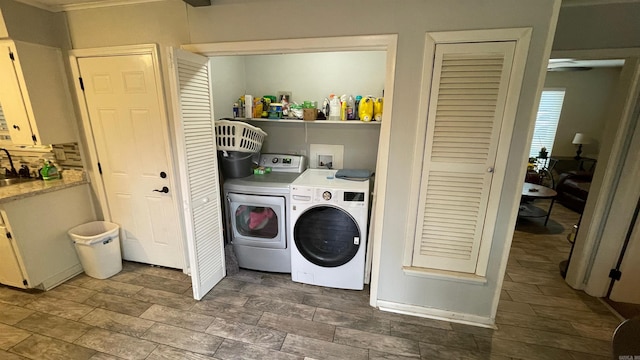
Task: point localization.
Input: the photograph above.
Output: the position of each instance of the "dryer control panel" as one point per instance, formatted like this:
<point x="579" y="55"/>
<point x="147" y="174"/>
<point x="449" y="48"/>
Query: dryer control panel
<point x="284" y="162"/>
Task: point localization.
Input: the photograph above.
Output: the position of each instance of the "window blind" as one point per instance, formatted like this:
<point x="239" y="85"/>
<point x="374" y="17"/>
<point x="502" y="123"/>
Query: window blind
<point x="547" y="121"/>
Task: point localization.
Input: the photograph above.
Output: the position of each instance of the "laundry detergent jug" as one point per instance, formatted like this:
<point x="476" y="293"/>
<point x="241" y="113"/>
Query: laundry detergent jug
<point x="365" y="109"/>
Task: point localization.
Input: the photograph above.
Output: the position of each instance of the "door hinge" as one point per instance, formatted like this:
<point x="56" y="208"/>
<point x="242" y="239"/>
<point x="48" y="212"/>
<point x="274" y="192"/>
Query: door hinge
<point x="9" y="235"/>
<point x="615" y="274"/>
<point x="34" y="138"/>
<point x="11" y="56"/>
<point x="81" y="83"/>
<point x="100" y="168"/>
<point x="25" y="282"/>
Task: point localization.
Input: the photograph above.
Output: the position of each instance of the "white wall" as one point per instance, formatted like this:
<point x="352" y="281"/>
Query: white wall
<point x="236" y="20"/>
<point x="30" y="24"/>
<point x="229" y="83"/>
<point x="604" y="26"/>
<point x="588" y="94"/>
<point x="314" y="76"/>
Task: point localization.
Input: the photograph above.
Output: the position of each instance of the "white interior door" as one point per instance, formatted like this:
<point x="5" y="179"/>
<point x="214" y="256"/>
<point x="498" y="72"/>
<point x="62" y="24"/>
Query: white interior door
<point x="130" y="133"/>
<point x="197" y="160"/>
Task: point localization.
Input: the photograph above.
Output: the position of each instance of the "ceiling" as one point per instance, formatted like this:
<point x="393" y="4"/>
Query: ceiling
<point x="66" y="5"/>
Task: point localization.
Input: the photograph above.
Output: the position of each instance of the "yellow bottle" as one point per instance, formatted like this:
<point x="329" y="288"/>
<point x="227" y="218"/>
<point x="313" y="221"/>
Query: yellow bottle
<point x="377" y="109"/>
<point x="343" y="111"/>
<point x="365" y="109"/>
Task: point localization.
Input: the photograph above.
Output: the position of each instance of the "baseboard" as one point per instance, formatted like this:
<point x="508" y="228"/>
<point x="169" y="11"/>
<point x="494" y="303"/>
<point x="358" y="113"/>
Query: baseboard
<point x="437" y="314"/>
<point x="60" y="277"/>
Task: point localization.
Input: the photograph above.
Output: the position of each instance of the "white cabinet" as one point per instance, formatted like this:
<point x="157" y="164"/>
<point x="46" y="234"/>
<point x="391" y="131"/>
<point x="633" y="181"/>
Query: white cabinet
<point x="34" y="94"/>
<point x="35" y="250"/>
<point x="10" y="272"/>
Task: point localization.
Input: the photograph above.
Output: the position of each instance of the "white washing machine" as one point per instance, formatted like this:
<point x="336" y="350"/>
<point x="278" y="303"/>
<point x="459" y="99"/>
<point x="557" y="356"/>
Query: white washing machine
<point x="329" y="230"/>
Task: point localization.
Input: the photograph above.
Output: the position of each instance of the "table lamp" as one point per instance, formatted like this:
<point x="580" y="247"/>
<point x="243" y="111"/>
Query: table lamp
<point x="580" y="139"/>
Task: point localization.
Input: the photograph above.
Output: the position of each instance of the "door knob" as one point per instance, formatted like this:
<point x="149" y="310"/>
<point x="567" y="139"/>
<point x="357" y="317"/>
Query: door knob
<point x="16" y="127"/>
<point x="490" y="170"/>
<point x="163" y="190"/>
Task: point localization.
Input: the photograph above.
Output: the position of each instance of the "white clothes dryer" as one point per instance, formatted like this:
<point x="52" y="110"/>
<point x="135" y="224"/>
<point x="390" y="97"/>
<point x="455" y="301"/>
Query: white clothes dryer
<point x="329" y="230"/>
<point x="257" y="219"/>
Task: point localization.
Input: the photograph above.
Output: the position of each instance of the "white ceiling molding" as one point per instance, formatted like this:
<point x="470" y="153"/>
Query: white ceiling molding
<point x="572" y="3"/>
<point x="71" y="5"/>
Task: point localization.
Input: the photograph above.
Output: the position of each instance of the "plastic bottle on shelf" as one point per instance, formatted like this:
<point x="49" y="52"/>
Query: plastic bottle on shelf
<point x="357" y="106"/>
<point x="236" y="110"/>
<point x="248" y="106"/>
<point x="334" y="107"/>
<point x="365" y="109"/>
<point x="343" y="110"/>
<point x="377" y="109"/>
<point x="351" y="108"/>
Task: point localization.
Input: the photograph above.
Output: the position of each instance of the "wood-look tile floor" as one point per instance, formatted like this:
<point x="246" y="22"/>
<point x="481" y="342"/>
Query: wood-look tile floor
<point x="147" y="313"/>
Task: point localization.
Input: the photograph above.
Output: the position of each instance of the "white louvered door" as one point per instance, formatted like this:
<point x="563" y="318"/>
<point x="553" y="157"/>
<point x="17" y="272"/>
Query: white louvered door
<point x="466" y="106"/>
<point x="195" y="138"/>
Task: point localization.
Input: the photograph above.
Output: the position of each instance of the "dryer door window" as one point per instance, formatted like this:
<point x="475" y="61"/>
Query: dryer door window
<point x="327" y="236"/>
<point x="257" y="220"/>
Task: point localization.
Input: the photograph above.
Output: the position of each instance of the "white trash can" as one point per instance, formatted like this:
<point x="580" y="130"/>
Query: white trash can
<point x="98" y="246"/>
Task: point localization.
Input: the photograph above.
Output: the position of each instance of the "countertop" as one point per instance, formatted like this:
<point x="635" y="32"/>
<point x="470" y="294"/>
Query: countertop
<point x="70" y="178"/>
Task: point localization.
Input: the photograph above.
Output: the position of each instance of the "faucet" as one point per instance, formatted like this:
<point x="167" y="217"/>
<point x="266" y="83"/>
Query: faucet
<point x="12" y="171"/>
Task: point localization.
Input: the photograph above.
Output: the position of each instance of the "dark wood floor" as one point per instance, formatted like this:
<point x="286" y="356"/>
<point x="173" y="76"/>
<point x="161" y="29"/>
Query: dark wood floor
<point x="147" y="313"/>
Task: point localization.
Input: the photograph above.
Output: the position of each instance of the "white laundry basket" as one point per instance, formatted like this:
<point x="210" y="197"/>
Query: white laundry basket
<point x="98" y="246"/>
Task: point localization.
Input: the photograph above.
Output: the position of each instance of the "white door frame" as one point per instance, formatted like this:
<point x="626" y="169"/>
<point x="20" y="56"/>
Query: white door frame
<point x="388" y="43"/>
<point x="96" y="181"/>
<point x="592" y="258"/>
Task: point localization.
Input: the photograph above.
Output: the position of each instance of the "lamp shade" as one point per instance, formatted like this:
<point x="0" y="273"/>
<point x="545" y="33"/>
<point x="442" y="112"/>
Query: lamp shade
<point x="581" y="138"/>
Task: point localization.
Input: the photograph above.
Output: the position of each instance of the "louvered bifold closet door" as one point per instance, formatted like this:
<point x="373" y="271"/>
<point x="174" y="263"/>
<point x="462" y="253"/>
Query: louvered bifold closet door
<point x="195" y="137"/>
<point x="466" y="106"/>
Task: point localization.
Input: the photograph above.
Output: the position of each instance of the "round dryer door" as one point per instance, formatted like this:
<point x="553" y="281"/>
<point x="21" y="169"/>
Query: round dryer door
<point x="327" y="236"/>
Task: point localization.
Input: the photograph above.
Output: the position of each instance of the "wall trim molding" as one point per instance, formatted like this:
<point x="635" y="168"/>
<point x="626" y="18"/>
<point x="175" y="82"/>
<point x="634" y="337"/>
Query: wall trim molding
<point x="437" y="314"/>
<point x="84" y="5"/>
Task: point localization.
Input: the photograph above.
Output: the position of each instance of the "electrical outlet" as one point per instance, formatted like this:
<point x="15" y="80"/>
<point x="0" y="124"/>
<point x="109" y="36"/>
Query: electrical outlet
<point x="335" y="152"/>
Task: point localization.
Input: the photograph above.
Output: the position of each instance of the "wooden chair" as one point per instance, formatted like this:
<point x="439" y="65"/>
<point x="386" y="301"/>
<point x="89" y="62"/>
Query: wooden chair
<point x="626" y="340"/>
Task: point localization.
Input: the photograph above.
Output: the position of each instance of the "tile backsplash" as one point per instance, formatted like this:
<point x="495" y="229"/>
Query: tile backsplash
<point x="33" y="157"/>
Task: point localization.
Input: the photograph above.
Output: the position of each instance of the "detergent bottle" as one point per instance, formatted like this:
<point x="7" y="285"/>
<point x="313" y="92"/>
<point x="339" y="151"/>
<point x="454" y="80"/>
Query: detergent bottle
<point x="357" y="115"/>
<point x="351" y="108"/>
<point x="365" y="110"/>
<point x="377" y="109"/>
<point x="334" y="107"/>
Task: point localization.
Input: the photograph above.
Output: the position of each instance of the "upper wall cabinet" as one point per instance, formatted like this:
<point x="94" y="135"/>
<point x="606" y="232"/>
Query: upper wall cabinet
<point x="34" y="94"/>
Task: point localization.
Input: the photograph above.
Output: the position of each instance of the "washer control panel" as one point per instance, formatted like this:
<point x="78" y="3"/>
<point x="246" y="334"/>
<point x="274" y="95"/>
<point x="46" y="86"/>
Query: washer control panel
<point x="306" y="194"/>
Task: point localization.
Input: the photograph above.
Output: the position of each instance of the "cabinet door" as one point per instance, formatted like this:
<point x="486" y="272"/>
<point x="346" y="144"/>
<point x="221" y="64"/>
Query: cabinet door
<point x="11" y="98"/>
<point x="10" y="271"/>
<point x="35" y="94"/>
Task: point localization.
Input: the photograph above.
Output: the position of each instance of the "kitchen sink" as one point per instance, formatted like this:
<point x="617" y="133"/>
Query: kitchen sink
<point x="12" y="181"/>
